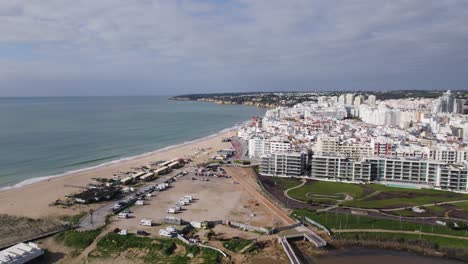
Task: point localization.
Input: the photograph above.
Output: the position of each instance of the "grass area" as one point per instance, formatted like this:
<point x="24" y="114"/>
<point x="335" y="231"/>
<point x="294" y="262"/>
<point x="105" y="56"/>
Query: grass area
<point x="236" y="244"/>
<point x="285" y="183"/>
<point x="327" y="189"/>
<point x="78" y="240"/>
<point x="346" y="221"/>
<point x="439" y="241"/>
<point x="211" y="256"/>
<point x="155" y="250"/>
<point x="377" y="196"/>
<point x="405" y="212"/>
<point x="437" y="208"/>
<point x="463" y="205"/>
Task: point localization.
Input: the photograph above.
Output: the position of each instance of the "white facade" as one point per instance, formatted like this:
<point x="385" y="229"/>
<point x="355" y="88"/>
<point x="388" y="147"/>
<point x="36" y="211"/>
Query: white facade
<point x="20" y="253"/>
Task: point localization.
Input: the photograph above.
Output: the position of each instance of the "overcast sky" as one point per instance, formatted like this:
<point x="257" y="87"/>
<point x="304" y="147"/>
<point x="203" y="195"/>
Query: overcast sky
<point x="121" y="47"/>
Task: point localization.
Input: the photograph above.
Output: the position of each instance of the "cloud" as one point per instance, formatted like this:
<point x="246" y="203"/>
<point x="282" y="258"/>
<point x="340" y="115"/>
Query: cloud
<point x="240" y="45"/>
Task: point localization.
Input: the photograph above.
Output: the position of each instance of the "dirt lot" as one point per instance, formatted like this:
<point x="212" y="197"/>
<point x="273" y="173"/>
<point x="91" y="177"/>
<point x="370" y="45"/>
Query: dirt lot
<point x="216" y="199"/>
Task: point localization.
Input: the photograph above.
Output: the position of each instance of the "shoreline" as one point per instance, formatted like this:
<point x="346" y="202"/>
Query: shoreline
<point x="30" y="181"/>
<point x="31" y="198"/>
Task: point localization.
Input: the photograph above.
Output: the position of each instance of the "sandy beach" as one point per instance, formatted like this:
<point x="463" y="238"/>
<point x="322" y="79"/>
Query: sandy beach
<point x="33" y="200"/>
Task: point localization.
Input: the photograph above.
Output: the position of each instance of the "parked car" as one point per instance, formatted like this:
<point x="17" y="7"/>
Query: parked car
<point x="142" y="233"/>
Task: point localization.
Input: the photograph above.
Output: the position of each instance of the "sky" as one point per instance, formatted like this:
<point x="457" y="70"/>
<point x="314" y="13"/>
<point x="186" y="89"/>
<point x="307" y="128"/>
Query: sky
<point x="138" y="47"/>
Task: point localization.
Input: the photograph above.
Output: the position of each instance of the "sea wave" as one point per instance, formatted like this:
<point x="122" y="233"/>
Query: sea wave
<point x="44" y="178"/>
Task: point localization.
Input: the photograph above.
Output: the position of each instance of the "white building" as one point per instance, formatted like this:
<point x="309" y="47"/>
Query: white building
<point x="20" y="253"/>
<point x="285" y="164"/>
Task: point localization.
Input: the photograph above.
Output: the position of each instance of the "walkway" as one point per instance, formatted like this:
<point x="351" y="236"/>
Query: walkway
<point x="304" y="181"/>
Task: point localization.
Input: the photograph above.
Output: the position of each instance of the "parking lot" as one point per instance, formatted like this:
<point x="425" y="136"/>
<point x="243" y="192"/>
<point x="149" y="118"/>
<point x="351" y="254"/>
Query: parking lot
<point x="216" y="199"/>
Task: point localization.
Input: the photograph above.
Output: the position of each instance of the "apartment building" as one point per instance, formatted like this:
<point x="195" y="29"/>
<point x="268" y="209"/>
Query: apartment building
<point x="336" y="168"/>
<point x="334" y="146"/>
<point x="284" y="164"/>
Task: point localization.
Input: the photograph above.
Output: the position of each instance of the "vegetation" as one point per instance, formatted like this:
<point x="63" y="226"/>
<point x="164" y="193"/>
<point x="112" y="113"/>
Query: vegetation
<point x="375" y="196"/>
<point x="320" y="191"/>
<point x="463" y="205"/>
<point x="289" y="98"/>
<point x="155" y="250"/>
<point x="74" y="219"/>
<point x="211" y="256"/>
<point x="412" y="238"/>
<point x="451" y="247"/>
<point x="236" y="244"/>
<point x="243" y="162"/>
<point x="285" y="183"/>
<point x="391" y="197"/>
<point x="346" y="221"/>
<point x="78" y="240"/>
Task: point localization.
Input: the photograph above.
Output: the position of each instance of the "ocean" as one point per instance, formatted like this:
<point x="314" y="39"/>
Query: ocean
<point x="52" y="136"/>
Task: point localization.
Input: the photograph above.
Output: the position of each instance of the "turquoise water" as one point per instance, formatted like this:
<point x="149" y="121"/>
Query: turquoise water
<point x="49" y="136"/>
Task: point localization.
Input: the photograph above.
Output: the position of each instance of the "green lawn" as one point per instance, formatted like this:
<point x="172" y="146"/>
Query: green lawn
<point x="405" y="213"/>
<point x="463" y="205"/>
<point x="436" y="208"/>
<point x="396" y="202"/>
<point x="325" y="188"/>
<point x="346" y="221"/>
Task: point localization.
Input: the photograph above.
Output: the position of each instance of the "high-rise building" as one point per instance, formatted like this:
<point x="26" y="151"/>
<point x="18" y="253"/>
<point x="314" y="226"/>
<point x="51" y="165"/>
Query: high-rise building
<point x="371" y="100"/>
<point x="358" y="100"/>
<point x="349" y="99"/>
<point x="342" y="99"/>
<point x="447" y="104"/>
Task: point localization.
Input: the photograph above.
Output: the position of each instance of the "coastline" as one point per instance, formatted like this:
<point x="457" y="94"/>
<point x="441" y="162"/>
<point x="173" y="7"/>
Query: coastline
<point x="31" y="198"/>
<point x="123" y="159"/>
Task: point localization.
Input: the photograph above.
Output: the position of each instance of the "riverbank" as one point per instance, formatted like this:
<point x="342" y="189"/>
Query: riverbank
<point x="33" y="200"/>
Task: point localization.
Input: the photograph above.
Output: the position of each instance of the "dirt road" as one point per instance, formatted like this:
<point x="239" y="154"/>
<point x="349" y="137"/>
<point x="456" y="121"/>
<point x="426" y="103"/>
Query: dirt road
<point x="246" y="177"/>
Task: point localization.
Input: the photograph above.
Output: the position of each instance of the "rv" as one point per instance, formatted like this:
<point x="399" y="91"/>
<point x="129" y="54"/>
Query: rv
<point x="146" y="222"/>
<point x="122" y="215"/>
<point x="168" y="231"/>
<point x="140" y="202"/>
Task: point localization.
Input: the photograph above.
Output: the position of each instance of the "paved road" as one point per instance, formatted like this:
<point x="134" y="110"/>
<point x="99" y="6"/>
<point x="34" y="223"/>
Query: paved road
<point x="395" y="232"/>
<point x="240" y="174"/>
<point x="99" y="216"/>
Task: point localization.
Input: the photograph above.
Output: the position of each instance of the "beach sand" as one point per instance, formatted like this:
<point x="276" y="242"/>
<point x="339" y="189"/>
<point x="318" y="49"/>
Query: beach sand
<point x="33" y="200"/>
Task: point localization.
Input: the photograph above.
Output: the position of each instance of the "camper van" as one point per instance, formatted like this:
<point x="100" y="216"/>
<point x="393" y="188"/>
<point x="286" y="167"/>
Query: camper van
<point x="146" y="222"/>
<point x="122" y="215"/>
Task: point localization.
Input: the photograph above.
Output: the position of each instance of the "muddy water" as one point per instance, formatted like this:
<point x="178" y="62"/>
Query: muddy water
<point x="375" y="256"/>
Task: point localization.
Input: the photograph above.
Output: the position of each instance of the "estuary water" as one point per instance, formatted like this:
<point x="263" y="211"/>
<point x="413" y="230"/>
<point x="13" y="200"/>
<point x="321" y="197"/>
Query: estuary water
<point x="51" y="136"/>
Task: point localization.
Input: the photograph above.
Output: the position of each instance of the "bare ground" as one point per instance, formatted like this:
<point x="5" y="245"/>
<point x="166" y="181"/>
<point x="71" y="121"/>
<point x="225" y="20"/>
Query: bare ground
<point x="14" y="229"/>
